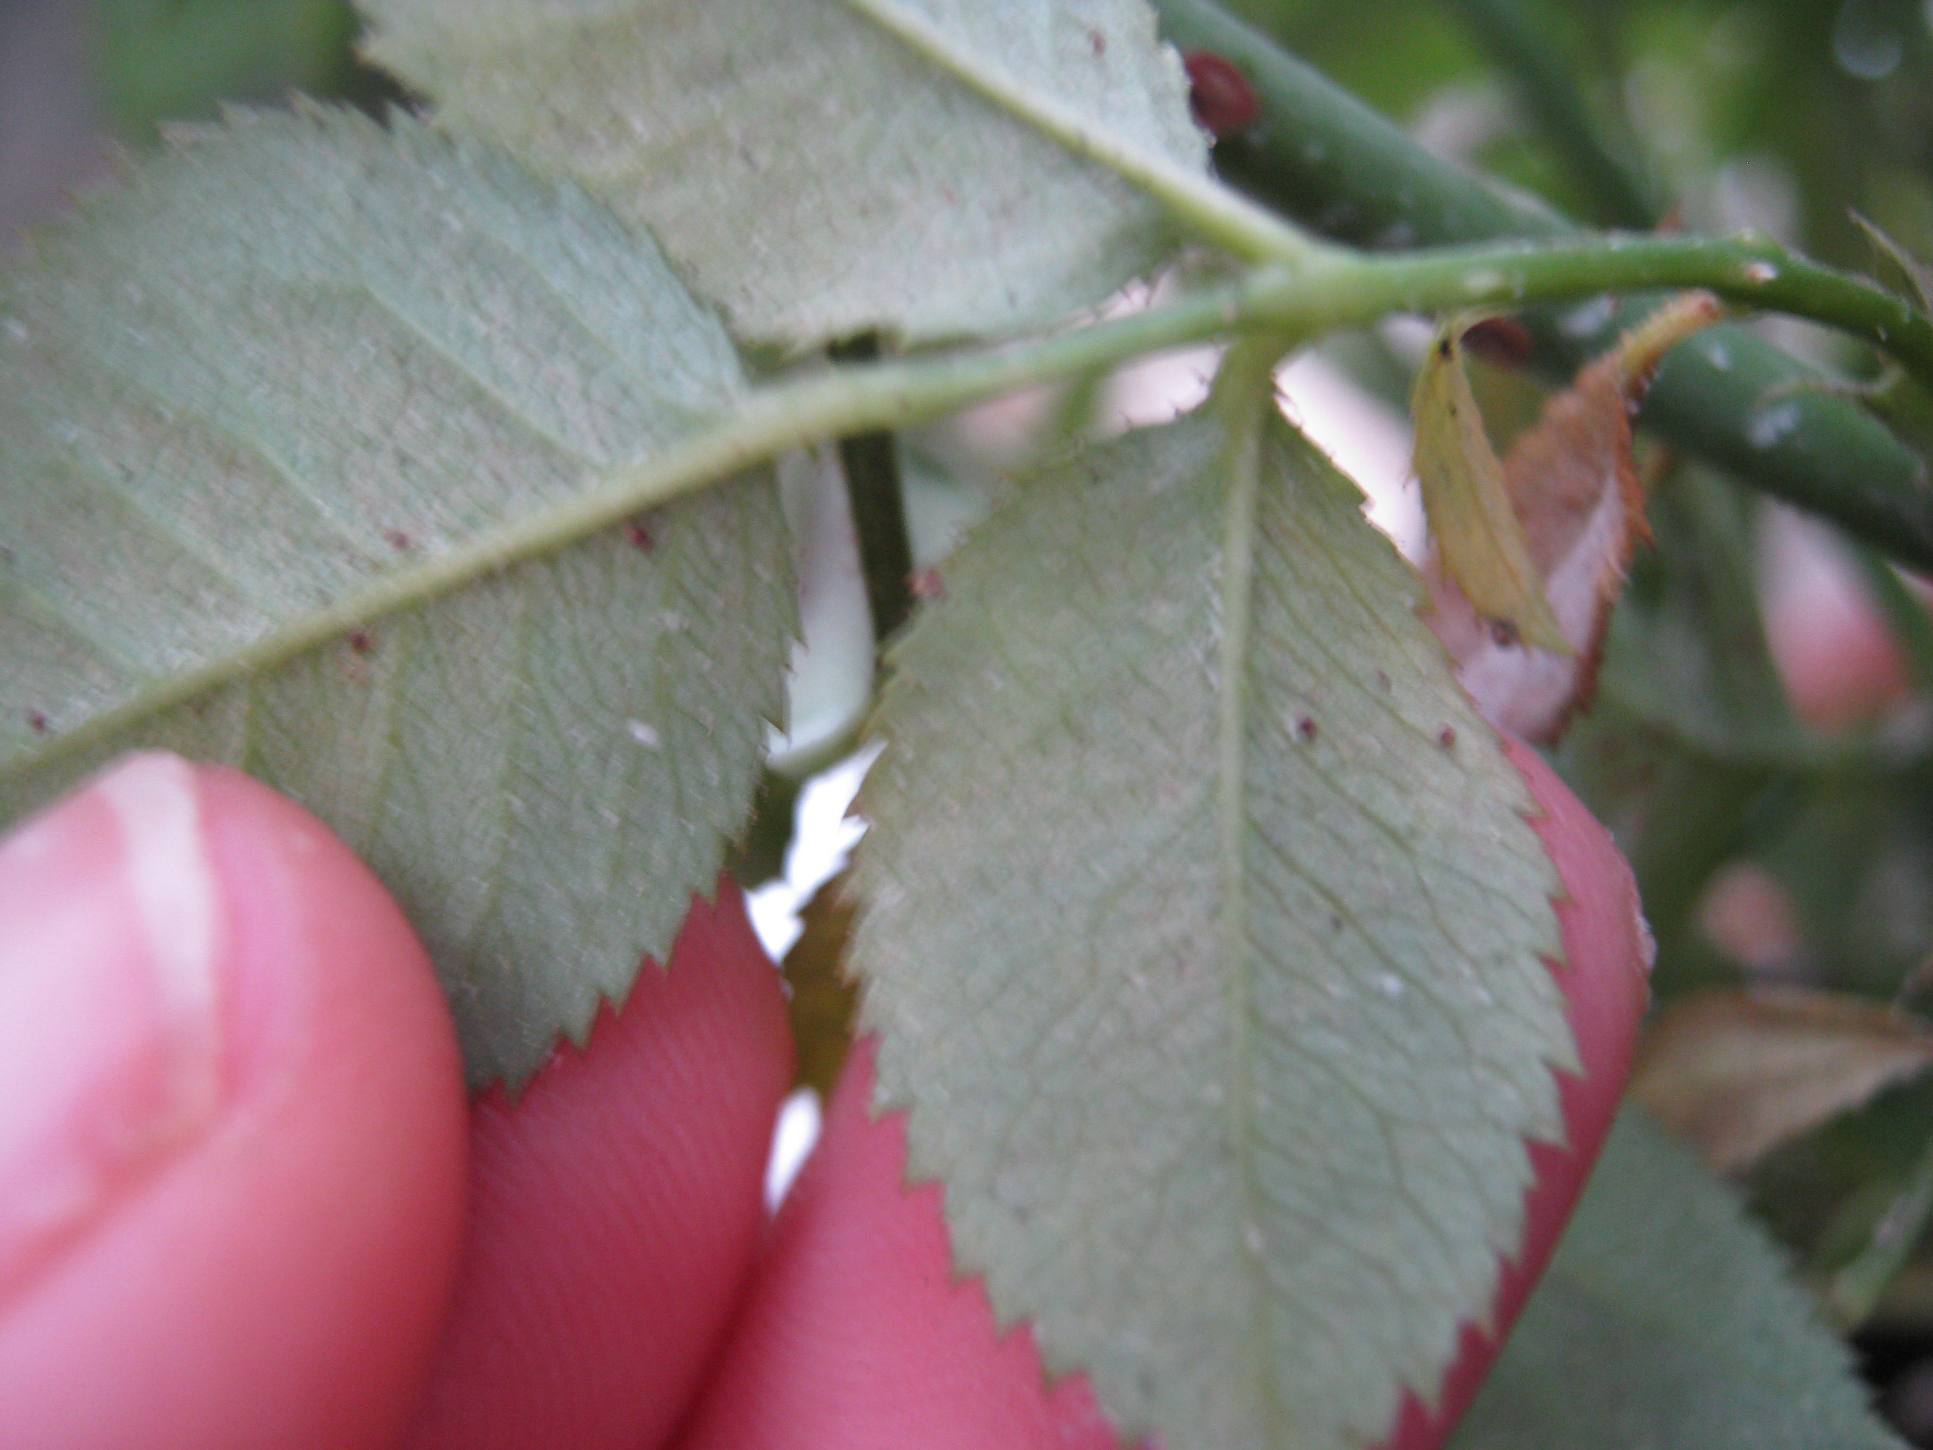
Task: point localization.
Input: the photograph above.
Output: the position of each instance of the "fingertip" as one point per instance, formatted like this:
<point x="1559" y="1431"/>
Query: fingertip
<point x="234" y="1174"/>
<point x="617" y="1208"/>
<point x="857" y="1331"/>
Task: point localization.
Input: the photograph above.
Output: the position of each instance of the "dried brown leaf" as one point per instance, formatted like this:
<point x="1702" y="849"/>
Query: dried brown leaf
<point x="1739" y="1073"/>
<point x="1579" y="502"/>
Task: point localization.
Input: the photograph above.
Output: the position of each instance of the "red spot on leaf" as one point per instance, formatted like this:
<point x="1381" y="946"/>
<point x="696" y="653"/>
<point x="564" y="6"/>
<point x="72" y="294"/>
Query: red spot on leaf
<point x="639" y="537"/>
<point x="401" y="542"/>
<point x="37" y="722"/>
<point x="1305" y="727"/>
<point x="362" y="641"/>
<point x="1446" y="737"/>
<point x="1219" y="94"/>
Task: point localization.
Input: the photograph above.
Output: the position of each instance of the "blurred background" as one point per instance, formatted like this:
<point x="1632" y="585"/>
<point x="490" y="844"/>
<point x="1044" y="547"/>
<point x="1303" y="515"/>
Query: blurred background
<point x="1762" y="740"/>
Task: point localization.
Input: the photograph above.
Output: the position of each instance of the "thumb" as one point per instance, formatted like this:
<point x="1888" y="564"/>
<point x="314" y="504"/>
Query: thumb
<point x="231" y="1125"/>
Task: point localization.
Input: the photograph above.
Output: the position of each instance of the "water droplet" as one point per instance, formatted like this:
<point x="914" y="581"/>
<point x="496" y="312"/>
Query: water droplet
<point x="1865" y="42"/>
<point x="1759" y="273"/>
<point x="1770" y="426"/>
<point x="1391" y="985"/>
<point x="643" y="734"/>
<point x="1719" y="356"/>
<point x="1589" y="319"/>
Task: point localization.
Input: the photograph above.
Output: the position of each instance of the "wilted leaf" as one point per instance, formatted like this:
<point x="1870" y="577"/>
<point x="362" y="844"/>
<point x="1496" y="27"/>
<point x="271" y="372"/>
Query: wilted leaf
<point x="1572" y="486"/>
<point x="287" y="420"/>
<point x="824" y="168"/>
<point x="1205" y="933"/>
<point x="1739" y="1073"/>
<point x="823" y="1001"/>
<point x="1478" y="539"/>
<point x="1666" y="1320"/>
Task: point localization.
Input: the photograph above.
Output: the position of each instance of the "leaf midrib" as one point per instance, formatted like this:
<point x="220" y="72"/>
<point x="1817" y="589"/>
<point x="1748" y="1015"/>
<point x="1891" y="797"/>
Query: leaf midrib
<point x="1244" y="401"/>
<point x="1218" y="214"/>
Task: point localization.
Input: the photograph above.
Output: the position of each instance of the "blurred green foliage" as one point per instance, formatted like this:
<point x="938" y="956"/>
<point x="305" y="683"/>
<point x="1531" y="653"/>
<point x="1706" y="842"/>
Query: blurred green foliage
<point x="166" y="60"/>
<point x="1789" y="117"/>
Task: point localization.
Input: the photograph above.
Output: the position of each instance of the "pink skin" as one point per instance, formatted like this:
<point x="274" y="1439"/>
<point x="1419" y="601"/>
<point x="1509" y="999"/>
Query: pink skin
<point x="857" y="1334"/>
<point x="314" y="1243"/>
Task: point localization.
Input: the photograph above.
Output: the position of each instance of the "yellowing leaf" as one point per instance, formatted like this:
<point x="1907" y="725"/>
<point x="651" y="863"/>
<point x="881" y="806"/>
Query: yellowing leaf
<point x="1576" y="496"/>
<point x="1478" y="538"/>
<point x="1739" y="1073"/>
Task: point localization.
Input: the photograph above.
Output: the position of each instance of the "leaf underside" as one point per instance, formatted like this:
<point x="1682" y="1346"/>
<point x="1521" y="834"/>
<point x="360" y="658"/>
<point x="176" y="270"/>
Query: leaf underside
<point x="301" y="356"/>
<point x="1206" y="941"/>
<point x="1667" y="1319"/>
<point x="815" y="173"/>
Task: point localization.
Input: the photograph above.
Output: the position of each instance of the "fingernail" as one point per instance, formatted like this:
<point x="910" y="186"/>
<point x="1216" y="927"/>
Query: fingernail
<point x="112" y="931"/>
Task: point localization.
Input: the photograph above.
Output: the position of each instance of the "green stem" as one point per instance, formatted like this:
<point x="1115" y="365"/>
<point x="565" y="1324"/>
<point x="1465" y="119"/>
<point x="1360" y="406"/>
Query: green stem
<point x="870" y="462"/>
<point x="1321" y="155"/>
<point x="1855" y="1291"/>
<point x="1516" y="39"/>
<point x="1336" y="290"/>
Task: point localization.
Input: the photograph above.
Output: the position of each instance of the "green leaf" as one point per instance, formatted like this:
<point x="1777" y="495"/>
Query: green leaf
<point x="168" y="60"/>
<point x="1666" y="1320"/>
<point x="1203" y="929"/>
<point x="289" y="421"/>
<point x="1478" y="537"/>
<point x="824" y="168"/>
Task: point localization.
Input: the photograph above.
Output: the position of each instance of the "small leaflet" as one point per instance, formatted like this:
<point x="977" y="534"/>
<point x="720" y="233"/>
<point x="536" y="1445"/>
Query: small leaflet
<point x="1579" y="506"/>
